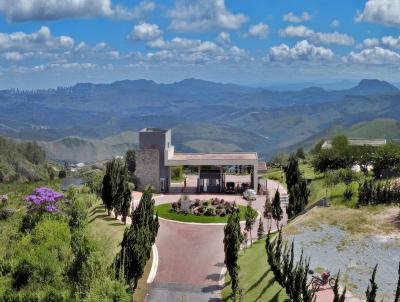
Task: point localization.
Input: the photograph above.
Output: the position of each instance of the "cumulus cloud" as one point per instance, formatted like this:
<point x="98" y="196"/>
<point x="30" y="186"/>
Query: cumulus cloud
<point x="381" y="11"/>
<point x="28" y="10"/>
<point x="302" y="51"/>
<point x="259" y="30"/>
<point x="291" y="17"/>
<point x="301" y="31"/>
<point x="391" y="42"/>
<point x="40" y="39"/>
<point x="193" y="51"/>
<point x="376" y="55"/>
<point x="202" y="15"/>
<point x="335" y="23"/>
<point x="145" y="32"/>
<point x="370" y="42"/>
<point x="224" y="38"/>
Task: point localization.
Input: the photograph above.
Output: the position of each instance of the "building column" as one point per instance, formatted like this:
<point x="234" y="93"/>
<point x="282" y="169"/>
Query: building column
<point x="255" y="178"/>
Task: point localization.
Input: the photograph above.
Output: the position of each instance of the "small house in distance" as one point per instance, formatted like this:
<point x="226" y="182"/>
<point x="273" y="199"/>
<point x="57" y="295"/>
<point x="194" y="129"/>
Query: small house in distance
<point x="156" y="156"/>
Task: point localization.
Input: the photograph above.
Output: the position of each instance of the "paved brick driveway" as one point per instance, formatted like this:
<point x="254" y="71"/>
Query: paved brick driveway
<point x="191" y="256"/>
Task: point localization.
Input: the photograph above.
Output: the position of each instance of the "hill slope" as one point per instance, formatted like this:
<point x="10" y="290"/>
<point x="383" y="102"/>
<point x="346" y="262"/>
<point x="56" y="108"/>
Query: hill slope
<point x="75" y="149"/>
<point x="21" y="161"/>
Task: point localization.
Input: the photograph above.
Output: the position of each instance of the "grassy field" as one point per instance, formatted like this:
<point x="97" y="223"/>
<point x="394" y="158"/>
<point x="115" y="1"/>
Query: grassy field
<point x="108" y="233"/>
<point x="255" y="277"/>
<point x="164" y="211"/>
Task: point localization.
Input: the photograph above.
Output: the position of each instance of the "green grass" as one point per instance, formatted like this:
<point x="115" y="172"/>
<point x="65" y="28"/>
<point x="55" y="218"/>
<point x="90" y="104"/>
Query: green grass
<point x="108" y="233"/>
<point x="164" y="211"/>
<point x="255" y="277"/>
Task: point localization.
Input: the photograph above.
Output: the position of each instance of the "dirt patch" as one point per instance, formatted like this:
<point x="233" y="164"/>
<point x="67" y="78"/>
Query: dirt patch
<point x="370" y="220"/>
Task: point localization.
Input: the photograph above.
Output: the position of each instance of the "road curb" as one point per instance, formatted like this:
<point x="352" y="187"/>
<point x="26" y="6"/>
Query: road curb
<point x="154" y="265"/>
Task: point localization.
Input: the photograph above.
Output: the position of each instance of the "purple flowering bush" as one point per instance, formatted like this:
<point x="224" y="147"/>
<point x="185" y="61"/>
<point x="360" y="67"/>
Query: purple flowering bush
<point x="44" y="200"/>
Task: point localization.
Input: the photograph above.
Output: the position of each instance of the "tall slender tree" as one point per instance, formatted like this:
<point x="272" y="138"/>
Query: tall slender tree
<point x="250" y="218"/>
<point x="397" y="296"/>
<point x="107" y="193"/>
<point x="260" y="230"/>
<point x="337" y="296"/>
<point x="232" y="239"/>
<point x="372" y="287"/>
<point x="138" y="239"/>
<point x="277" y="212"/>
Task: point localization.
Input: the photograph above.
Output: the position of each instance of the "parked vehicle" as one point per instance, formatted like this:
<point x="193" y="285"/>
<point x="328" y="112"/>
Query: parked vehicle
<point x="250" y="194"/>
<point x="318" y="281"/>
<point x="244" y="187"/>
<point x="230" y="187"/>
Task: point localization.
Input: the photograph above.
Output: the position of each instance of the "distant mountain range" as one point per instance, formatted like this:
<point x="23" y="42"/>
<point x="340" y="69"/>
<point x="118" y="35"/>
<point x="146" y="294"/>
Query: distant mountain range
<point x="75" y="123"/>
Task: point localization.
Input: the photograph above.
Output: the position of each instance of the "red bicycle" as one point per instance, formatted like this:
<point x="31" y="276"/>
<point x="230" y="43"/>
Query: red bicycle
<point x="318" y="281"/>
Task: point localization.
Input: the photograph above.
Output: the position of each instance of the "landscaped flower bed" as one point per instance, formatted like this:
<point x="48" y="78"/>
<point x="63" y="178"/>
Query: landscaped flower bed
<point x="212" y="207"/>
<point x="214" y="210"/>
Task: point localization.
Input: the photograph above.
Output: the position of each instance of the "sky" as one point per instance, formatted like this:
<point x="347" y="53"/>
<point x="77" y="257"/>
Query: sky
<point x="51" y="43"/>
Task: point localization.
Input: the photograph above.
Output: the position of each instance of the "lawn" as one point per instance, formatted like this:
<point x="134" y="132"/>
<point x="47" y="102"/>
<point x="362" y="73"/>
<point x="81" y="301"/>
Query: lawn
<point x="108" y="233"/>
<point x="164" y="211"/>
<point x="275" y="174"/>
<point x="255" y="277"/>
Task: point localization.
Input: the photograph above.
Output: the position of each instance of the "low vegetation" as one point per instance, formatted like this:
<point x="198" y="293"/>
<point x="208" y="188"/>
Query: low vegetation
<point x="166" y="211"/>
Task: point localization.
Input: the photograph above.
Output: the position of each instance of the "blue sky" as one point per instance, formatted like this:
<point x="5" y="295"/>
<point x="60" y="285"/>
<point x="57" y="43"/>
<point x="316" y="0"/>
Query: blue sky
<point x="61" y="42"/>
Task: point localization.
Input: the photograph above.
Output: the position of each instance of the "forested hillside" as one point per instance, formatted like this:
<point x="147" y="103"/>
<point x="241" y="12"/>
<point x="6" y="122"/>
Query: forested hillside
<point x="22" y="161"/>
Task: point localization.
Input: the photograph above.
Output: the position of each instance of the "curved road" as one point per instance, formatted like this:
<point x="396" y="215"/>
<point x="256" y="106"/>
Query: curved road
<point x="191" y="257"/>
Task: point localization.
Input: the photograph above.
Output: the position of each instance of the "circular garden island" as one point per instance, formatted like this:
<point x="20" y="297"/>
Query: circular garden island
<point x="214" y="210"/>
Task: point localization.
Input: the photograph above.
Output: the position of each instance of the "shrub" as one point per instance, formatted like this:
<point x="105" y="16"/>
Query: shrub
<point x="5" y="213"/>
<point x="205" y="203"/>
<point x="5" y="267"/>
<point x="221" y="212"/>
<point x="62" y="174"/>
<point x="53" y="296"/>
<point x="201" y="209"/>
<point x="348" y="193"/>
<point x="174" y="206"/>
<point x="196" y="202"/>
<point x="22" y="274"/>
<point x="210" y="212"/>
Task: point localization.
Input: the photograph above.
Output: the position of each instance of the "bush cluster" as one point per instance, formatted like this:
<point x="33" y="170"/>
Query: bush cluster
<point x="212" y="207"/>
<point x="374" y="192"/>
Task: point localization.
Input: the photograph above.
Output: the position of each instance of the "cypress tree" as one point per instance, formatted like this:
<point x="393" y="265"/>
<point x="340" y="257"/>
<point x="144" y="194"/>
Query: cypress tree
<point x="137" y="241"/>
<point x="277" y="212"/>
<point x="371" y="291"/>
<point x="260" y="230"/>
<point x="232" y="239"/>
<point x="250" y="217"/>
<point x="337" y="296"/>
<point x="107" y="190"/>
<point x="397" y="296"/>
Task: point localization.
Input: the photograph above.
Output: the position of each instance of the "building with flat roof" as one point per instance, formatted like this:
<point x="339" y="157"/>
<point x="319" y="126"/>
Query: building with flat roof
<point x="358" y="142"/>
<point x="156" y="156"/>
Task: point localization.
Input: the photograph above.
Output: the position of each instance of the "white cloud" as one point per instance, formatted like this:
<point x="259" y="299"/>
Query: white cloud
<point x="370" y="42"/>
<point x="28" y="10"/>
<point x="335" y="23"/>
<point x="391" y="42"/>
<point x="194" y="51"/>
<point x="259" y="30"/>
<point x="381" y="11"/>
<point x="302" y="51"/>
<point x="203" y="15"/>
<point x="301" y="31"/>
<point x="224" y="38"/>
<point x="145" y="32"/>
<point x="291" y="17"/>
<point x="376" y="55"/>
<point x="41" y="39"/>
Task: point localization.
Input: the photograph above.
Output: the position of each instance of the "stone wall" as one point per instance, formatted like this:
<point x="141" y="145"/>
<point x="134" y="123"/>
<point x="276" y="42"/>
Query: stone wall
<point x="148" y="168"/>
